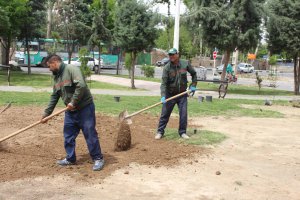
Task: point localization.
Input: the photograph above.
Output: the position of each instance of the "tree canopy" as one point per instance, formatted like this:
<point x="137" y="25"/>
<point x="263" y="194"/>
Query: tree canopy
<point x="228" y="25"/>
<point x="134" y="29"/>
<point x="283" y="26"/>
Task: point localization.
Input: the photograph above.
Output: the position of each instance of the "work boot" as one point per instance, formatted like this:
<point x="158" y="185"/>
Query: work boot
<point x="99" y="164"/>
<point x="158" y="136"/>
<point x="184" y="136"/>
<point x="65" y="162"/>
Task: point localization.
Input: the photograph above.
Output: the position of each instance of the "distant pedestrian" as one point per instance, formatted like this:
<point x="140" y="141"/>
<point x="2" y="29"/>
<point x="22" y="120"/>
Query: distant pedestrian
<point x="69" y="85"/>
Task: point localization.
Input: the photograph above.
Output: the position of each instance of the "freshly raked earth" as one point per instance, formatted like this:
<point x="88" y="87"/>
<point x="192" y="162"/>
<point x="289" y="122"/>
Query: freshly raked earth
<point x="258" y="160"/>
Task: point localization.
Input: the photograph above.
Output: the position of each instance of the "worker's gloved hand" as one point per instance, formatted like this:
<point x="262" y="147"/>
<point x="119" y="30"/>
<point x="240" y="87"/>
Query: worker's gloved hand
<point x="193" y="88"/>
<point x="163" y="99"/>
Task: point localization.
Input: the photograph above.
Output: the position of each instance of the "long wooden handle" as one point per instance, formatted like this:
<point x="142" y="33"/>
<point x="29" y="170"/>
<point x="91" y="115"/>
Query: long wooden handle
<point x="158" y="103"/>
<point x="6" y="107"/>
<point x="32" y="125"/>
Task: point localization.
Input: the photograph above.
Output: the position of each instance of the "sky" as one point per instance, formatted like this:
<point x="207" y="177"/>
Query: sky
<point x="163" y="8"/>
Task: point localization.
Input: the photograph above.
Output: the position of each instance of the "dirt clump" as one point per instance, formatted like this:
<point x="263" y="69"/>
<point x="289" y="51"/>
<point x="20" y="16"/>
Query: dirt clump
<point x="123" y="140"/>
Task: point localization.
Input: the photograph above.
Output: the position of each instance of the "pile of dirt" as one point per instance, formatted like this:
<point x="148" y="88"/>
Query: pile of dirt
<point x="34" y="152"/>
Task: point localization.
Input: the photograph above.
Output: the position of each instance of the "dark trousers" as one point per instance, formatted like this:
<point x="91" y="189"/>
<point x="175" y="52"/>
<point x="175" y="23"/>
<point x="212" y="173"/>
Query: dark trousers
<point x="167" y="110"/>
<point x="84" y="120"/>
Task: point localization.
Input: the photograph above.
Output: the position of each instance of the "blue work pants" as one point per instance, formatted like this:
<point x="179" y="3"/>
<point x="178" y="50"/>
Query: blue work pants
<point x="85" y="120"/>
<point x="166" y="111"/>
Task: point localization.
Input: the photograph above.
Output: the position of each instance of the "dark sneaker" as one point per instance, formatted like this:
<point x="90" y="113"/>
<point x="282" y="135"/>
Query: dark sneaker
<point x="65" y="162"/>
<point x="184" y="136"/>
<point x="99" y="164"/>
<point x="158" y="136"/>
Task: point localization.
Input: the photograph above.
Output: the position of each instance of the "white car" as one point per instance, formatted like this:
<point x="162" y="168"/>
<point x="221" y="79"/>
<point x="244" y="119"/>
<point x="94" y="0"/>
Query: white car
<point x="219" y="68"/>
<point x="245" y="67"/>
<point x="92" y="62"/>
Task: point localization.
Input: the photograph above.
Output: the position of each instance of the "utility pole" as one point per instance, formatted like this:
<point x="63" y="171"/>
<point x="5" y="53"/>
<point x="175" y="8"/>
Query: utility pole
<point x="176" y="28"/>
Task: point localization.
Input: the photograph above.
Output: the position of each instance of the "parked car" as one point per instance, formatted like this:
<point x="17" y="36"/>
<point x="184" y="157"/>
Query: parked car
<point x="92" y="62"/>
<point x="162" y="62"/>
<point x="245" y="68"/>
<point x="219" y="69"/>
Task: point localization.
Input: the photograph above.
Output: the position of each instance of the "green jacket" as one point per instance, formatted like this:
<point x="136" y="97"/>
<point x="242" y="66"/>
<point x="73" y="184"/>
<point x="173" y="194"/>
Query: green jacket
<point x="70" y="85"/>
<point x="174" y="78"/>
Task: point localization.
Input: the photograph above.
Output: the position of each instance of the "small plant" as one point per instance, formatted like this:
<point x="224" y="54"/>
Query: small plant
<point x="258" y="80"/>
<point x="148" y="71"/>
<point x="128" y="63"/>
<point x="273" y="71"/>
<point x="86" y="71"/>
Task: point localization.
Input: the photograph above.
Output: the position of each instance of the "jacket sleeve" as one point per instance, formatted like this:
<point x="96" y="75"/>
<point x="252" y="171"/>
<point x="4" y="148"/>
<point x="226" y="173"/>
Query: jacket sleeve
<point x="193" y="73"/>
<point x="53" y="101"/>
<point x="80" y="85"/>
<point x="164" y="80"/>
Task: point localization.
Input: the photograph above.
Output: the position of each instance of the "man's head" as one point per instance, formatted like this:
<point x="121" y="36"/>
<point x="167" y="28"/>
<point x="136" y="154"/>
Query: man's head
<point x="173" y="55"/>
<point x="53" y="62"/>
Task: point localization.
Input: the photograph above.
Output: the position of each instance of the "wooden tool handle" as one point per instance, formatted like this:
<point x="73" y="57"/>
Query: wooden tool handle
<point x="6" y="107"/>
<point x="158" y="103"/>
<point x="32" y="125"/>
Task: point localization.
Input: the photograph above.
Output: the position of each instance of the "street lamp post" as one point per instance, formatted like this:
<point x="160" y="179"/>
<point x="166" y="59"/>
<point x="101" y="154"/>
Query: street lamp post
<point x="176" y="28"/>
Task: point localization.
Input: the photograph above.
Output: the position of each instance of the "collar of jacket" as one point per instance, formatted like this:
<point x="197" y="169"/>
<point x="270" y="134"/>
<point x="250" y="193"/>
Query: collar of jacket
<point x="61" y="70"/>
<point x="178" y="64"/>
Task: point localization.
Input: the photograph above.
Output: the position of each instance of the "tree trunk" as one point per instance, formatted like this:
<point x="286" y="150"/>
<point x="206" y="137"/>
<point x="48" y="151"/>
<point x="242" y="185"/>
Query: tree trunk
<point x="119" y="60"/>
<point x="226" y="61"/>
<point x="2" y="51"/>
<point x="133" y="58"/>
<point x="7" y="49"/>
<point x="28" y="55"/>
<point x="49" y="18"/>
<point x="296" y="75"/>
<point x="99" y="58"/>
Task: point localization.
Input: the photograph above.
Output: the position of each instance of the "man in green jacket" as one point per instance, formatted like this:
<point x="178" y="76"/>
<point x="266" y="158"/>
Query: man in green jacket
<point x="174" y="81"/>
<point x="70" y="85"/>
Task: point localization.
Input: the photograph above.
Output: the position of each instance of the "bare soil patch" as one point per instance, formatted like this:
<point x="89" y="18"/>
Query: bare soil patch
<point x="34" y="152"/>
<point x="259" y="160"/>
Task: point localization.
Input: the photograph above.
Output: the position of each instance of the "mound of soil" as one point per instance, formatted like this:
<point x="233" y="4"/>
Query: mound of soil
<point x="34" y="152"/>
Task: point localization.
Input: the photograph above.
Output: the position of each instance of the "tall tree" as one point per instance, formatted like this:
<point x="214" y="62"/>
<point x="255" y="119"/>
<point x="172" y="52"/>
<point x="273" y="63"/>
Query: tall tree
<point x="11" y="13"/>
<point x="50" y="6"/>
<point x="74" y="23"/>
<point x="228" y="24"/>
<point x="283" y="26"/>
<point x="31" y="27"/>
<point x="101" y="22"/>
<point x="134" y="30"/>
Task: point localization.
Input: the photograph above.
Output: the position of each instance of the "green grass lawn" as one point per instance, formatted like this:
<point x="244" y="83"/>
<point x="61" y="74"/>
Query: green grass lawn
<point x="107" y="105"/>
<point x="232" y="88"/>
<point x="45" y="80"/>
<point x="201" y="137"/>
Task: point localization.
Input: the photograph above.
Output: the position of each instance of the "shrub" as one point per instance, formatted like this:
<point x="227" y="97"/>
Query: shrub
<point x="86" y="71"/>
<point x="148" y="70"/>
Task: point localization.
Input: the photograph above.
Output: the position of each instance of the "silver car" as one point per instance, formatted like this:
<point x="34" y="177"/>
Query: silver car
<point x="245" y="68"/>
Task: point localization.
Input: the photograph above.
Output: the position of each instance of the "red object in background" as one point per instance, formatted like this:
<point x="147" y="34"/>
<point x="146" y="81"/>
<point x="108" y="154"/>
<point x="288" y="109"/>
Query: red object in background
<point x="215" y="54"/>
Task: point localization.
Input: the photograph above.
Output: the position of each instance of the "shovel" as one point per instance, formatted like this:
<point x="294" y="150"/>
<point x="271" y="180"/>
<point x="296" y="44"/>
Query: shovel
<point x="32" y="125"/>
<point x="125" y="116"/>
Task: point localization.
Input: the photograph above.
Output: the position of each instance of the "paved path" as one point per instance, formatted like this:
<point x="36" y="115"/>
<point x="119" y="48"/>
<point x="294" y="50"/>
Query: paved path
<point x="151" y="89"/>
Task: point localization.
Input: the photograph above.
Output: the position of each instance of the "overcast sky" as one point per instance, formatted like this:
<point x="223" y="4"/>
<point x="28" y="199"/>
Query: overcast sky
<point x="163" y="8"/>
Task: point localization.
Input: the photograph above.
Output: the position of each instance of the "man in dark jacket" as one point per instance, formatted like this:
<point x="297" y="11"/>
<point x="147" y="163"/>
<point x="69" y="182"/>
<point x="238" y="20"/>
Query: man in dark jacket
<point x="70" y="85"/>
<point x="174" y="81"/>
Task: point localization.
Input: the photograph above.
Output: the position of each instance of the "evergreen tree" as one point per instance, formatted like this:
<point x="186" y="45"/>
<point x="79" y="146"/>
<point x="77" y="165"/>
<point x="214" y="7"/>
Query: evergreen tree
<point x="134" y="30"/>
<point x="228" y="24"/>
<point x="283" y="26"/>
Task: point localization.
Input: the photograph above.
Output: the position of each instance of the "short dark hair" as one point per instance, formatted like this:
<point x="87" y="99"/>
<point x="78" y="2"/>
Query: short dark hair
<point x="50" y="58"/>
